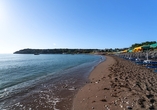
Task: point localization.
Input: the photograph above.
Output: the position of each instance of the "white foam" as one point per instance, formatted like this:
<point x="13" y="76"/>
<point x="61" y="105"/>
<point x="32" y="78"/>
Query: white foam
<point x="55" y="102"/>
<point x="71" y="89"/>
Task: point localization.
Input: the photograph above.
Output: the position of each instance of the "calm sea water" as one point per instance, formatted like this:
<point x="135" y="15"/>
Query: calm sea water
<point x="22" y="74"/>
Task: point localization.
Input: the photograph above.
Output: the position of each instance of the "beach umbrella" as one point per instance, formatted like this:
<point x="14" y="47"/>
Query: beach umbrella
<point x="145" y="47"/>
<point x="137" y="49"/>
<point x="130" y="50"/>
<point x="153" y="45"/>
<point x="124" y="51"/>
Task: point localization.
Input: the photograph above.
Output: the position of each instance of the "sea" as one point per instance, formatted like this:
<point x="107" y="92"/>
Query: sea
<point x="43" y="82"/>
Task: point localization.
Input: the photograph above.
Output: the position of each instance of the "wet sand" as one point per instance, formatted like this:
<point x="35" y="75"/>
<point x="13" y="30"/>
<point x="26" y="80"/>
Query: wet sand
<point x="118" y="84"/>
<point x="53" y="93"/>
<point x="49" y="96"/>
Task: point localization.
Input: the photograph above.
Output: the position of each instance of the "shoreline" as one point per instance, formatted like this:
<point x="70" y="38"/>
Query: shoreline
<point x="53" y="92"/>
<point x="117" y="84"/>
<point x="87" y="94"/>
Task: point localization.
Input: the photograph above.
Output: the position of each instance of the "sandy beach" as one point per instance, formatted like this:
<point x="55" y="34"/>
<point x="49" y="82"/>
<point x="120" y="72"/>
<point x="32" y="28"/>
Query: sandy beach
<point x="118" y="84"/>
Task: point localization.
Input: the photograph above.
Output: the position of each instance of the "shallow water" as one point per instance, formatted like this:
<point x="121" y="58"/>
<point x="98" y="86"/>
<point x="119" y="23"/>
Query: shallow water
<point x="42" y="81"/>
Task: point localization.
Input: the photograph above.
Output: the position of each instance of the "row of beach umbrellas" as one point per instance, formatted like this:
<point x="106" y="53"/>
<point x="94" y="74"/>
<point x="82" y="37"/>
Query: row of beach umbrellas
<point x="140" y="48"/>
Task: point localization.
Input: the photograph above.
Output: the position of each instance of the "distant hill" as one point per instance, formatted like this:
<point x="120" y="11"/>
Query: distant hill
<point x="55" y="51"/>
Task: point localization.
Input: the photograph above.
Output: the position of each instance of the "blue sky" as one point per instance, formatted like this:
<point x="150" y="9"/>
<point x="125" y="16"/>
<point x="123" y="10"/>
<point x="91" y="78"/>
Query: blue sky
<point x="94" y="24"/>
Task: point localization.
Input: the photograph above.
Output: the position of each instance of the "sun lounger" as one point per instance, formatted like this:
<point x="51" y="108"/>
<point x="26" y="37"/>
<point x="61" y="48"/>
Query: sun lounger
<point x="139" y="62"/>
<point x="151" y="66"/>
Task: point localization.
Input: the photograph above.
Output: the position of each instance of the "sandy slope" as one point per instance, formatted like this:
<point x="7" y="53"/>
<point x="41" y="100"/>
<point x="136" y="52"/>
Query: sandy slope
<point x="118" y="84"/>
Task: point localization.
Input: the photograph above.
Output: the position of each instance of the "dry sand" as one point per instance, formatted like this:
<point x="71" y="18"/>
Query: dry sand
<point x="118" y="84"/>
